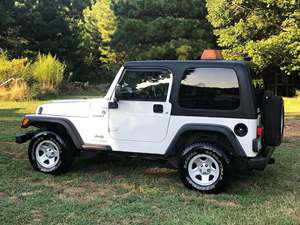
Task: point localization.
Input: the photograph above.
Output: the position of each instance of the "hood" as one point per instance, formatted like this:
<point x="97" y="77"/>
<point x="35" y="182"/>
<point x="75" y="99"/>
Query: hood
<point x="70" y="107"/>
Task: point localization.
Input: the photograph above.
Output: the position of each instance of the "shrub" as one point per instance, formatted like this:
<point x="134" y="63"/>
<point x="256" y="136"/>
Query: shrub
<point x="38" y="79"/>
<point x="48" y="71"/>
<point x="15" y="68"/>
<point x="17" y="91"/>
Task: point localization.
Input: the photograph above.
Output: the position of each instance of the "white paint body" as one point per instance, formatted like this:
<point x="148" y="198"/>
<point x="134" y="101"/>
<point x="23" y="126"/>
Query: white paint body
<point x="133" y="126"/>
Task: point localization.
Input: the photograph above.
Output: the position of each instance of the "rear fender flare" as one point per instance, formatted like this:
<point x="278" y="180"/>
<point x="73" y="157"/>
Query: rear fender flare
<point x="237" y="150"/>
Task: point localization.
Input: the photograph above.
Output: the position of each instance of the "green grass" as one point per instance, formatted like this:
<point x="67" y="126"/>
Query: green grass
<point x="119" y="190"/>
<point x="102" y="189"/>
<point x="292" y="106"/>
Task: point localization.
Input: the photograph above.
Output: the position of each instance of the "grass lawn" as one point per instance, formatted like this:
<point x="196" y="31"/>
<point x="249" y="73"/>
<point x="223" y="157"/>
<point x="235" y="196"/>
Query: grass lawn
<point x="102" y="189"/>
<point x="292" y="106"/>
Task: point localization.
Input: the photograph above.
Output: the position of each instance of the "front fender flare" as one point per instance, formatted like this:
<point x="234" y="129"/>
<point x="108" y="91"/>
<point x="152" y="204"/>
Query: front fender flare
<point x="41" y="121"/>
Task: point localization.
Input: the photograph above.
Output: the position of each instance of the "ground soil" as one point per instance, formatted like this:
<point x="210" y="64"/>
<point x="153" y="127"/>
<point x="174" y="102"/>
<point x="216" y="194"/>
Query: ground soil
<point x="292" y="128"/>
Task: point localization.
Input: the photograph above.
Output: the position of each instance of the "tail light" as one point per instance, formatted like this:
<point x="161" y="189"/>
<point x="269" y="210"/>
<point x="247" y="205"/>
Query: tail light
<point x="260" y="131"/>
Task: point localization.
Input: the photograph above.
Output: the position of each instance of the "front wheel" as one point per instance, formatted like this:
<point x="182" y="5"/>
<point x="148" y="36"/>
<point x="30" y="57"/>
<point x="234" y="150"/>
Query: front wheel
<point x="49" y="153"/>
<point x="204" y="168"/>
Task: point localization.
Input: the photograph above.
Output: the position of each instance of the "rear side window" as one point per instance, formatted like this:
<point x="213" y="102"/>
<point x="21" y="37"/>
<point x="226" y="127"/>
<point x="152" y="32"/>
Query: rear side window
<point x="209" y="88"/>
<point x="144" y="85"/>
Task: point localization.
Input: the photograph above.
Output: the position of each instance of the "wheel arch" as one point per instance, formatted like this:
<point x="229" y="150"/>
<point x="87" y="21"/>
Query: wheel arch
<point x="53" y="123"/>
<point x="48" y="133"/>
<point x="206" y="133"/>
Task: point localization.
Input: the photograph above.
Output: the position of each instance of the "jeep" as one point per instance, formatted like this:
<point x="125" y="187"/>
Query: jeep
<point x="204" y="116"/>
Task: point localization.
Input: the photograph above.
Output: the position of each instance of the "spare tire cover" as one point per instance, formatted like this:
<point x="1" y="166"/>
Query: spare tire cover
<point x="273" y="119"/>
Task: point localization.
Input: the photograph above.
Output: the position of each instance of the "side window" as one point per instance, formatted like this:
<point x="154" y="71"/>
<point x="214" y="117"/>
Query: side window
<point x="209" y="88"/>
<point x="144" y="85"/>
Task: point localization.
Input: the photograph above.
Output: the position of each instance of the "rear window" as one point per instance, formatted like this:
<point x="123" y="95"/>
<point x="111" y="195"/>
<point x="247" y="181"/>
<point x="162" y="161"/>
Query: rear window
<point x="209" y="88"/>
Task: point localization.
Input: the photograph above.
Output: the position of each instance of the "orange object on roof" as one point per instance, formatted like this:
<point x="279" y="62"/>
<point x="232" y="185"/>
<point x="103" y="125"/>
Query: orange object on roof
<point x="211" y="54"/>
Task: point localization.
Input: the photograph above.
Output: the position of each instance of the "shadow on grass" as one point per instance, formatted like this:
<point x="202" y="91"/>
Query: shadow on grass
<point x="92" y="162"/>
<point x="121" y="166"/>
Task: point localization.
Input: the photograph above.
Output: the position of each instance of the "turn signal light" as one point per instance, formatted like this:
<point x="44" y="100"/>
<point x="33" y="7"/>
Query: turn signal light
<point x="25" y="122"/>
<point x="209" y="54"/>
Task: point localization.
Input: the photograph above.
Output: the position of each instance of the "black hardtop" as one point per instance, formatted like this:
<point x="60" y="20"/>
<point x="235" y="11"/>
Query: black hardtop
<point x="172" y="63"/>
<point x="247" y="108"/>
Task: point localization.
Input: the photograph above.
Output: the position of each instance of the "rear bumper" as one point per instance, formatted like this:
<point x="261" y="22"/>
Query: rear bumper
<point x="22" y="138"/>
<point x="262" y="160"/>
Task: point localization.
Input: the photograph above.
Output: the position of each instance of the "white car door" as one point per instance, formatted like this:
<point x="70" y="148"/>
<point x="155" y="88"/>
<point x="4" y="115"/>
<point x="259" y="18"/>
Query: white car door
<point x="143" y="110"/>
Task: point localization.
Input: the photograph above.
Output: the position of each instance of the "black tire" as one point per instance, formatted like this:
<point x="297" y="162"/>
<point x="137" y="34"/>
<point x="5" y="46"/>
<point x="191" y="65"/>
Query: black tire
<point x="202" y="149"/>
<point x="273" y="120"/>
<point x="65" y="149"/>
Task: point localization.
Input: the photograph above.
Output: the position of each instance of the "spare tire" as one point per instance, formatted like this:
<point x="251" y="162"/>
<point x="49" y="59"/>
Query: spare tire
<point x="273" y="119"/>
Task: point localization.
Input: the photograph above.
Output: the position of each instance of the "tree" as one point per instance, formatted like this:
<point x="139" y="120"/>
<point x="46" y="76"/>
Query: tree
<point x="8" y="30"/>
<point x="32" y="27"/>
<point x="267" y="31"/>
<point x="98" y="25"/>
<point x="164" y="29"/>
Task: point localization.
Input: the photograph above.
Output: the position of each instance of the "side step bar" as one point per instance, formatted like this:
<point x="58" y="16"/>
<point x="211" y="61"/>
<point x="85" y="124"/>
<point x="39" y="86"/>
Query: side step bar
<point x="96" y="147"/>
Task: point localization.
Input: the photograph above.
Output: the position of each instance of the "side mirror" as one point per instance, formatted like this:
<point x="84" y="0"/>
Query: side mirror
<point x="117" y="92"/>
<point x="114" y="103"/>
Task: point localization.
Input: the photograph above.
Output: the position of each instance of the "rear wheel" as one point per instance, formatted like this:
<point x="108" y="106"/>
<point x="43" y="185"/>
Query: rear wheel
<point x="204" y="167"/>
<point x="49" y="153"/>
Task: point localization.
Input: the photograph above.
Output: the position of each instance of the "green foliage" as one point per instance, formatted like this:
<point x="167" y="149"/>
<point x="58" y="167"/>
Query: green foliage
<point x="98" y="25"/>
<point x="30" y="27"/>
<point x="15" y="68"/>
<point x="161" y="29"/>
<point x="267" y="31"/>
<point x="92" y="37"/>
<point x="48" y="71"/>
<point x="30" y="79"/>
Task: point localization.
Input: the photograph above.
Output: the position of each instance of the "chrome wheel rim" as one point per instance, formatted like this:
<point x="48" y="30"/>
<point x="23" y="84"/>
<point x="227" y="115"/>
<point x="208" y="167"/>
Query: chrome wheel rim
<point x="203" y="169"/>
<point x="47" y="154"/>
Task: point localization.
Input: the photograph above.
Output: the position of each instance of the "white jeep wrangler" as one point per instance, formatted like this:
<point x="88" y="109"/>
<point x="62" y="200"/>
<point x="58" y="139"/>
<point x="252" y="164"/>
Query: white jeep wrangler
<point x="205" y="114"/>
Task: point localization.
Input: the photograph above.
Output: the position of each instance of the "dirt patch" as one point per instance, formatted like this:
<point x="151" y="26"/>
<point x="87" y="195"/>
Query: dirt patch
<point x="89" y="191"/>
<point x="14" y="200"/>
<point x="30" y="193"/>
<point x="14" y="151"/>
<point x="292" y="129"/>
<point x="82" y="192"/>
<point x="223" y="203"/>
<point x="37" y="215"/>
<point x="157" y="171"/>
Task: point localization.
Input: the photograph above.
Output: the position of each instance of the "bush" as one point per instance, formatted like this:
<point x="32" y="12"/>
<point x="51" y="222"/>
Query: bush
<point x="15" y="68"/>
<point x="17" y="91"/>
<point x="48" y="71"/>
<point x="38" y="79"/>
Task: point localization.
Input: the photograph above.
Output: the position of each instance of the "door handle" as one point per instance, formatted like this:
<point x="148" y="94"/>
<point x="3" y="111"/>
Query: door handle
<point x="157" y="108"/>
